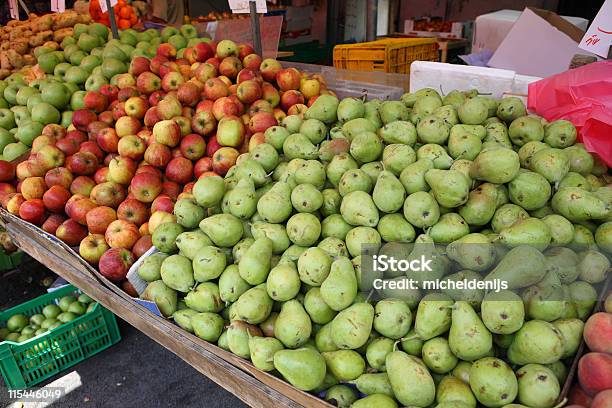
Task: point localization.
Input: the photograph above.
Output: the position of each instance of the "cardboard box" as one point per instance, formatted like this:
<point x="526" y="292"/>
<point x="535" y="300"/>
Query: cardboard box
<point x="455" y="32"/>
<point x="540" y="43"/>
<point x="491" y="29"/>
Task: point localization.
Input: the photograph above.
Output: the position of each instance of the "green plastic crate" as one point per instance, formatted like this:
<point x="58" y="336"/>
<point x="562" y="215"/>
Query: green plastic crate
<point x="12" y="261"/>
<point x="31" y="362"/>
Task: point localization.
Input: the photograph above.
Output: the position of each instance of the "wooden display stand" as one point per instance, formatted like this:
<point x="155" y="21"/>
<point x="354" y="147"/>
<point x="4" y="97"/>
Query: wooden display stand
<point x="238" y="376"/>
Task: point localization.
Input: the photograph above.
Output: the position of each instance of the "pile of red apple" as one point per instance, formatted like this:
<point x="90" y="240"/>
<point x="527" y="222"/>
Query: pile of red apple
<point x="105" y="183"/>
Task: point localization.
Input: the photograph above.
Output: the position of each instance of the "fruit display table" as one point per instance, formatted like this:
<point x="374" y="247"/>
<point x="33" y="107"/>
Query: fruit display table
<point x="254" y="387"/>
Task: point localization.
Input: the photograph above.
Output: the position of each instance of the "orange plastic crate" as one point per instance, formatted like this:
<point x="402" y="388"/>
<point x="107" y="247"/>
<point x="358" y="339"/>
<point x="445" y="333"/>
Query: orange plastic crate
<point x="386" y="55"/>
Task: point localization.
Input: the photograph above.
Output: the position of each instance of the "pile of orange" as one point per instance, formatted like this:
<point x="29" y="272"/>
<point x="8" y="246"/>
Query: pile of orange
<point x="125" y="14"/>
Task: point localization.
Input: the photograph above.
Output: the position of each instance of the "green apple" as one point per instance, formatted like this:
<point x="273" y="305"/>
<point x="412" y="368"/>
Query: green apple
<point x="195" y="41"/>
<point x="188" y="31"/>
<point x="66" y="119"/>
<point x="114" y="42"/>
<point x="56" y="94"/>
<point x="33" y="101"/>
<point x="99" y="30"/>
<point x="152" y="32"/>
<point x="156" y="41"/>
<point x="72" y="88"/>
<point x="113" y="66"/>
<point x="22" y="114"/>
<point x="16" y="79"/>
<point x="180" y="53"/>
<point x="143" y="36"/>
<point x="68" y="41"/>
<point x="6" y="138"/>
<point x="114" y="52"/>
<point x="7" y="119"/>
<point x="97" y="71"/>
<point x="128" y="38"/>
<point x="61" y="68"/>
<point x="76" y="75"/>
<point x="60" y="55"/>
<point x="23" y="94"/>
<point x="168" y="32"/>
<point x="90" y="62"/>
<point x="87" y="42"/>
<point x="69" y="50"/>
<point x="80" y="29"/>
<point x="77" y="56"/>
<point x="43" y="49"/>
<point x="126" y="48"/>
<point x="10" y="94"/>
<point x="95" y="81"/>
<point x="13" y="150"/>
<point x="151" y="51"/>
<point x="47" y="62"/>
<point x="76" y="101"/>
<point x="3" y="85"/>
<point x="28" y="131"/>
<point x="3" y="103"/>
<point x="142" y="45"/>
<point x="45" y="113"/>
<point x="39" y="83"/>
<point x="178" y="41"/>
<point x="130" y="31"/>
<point x="97" y="52"/>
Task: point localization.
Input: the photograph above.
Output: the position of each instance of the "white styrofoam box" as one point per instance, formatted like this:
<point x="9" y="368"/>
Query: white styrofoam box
<point x="132" y="276"/>
<point x="490" y="29"/>
<point x="446" y="77"/>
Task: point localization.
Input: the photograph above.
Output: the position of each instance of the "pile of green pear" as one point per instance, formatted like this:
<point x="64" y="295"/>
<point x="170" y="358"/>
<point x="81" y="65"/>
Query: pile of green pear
<point x="19" y="327"/>
<point x="267" y="261"/>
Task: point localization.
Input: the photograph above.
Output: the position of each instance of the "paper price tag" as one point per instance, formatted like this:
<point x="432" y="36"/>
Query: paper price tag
<point x="242" y="6"/>
<point x="104" y="7"/>
<point x="598" y="37"/>
<point x="13" y="10"/>
<point x="59" y="6"/>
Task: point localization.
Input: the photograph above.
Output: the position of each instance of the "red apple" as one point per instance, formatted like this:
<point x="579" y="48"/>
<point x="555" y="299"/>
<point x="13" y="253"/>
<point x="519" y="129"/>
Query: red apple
<point x="155" y="97"/>
<point x="171" y="188"/>
<point x="172" y="80"/>
<point x="205" y="105"/>
<point x="202" y="166"/>
<point x="212" y="146"/>
<point x="141" y="246"/>
<point x="261" y="121"/>
<point x="224" y="159"/>
<point x="279" y="114"/>
<point x="115" y="263"/>
<point x="107" y="118"/>
<point x="77" y="135"/>
<point x="14" y="203"/>
<point x="99" y="218"/>
<point x="32" y="211"/>
<point x="138" y="65"/>
<point x="230" y="131"/>
<point x="108" y="140"/>
<point x="230" y="66"/>
<point x="53" y="222"/>
<point x="93" y="148"/>
<point x="169" y="107"/>
<point x="110" y="91"/>
<point x="54" y="130"/>
<point x="132" y="147"/>
<point x="136" y="107"/>
<point x="180" y="170"/>
<point x="67" y="146"/>
<point x="166" y="50"/>
<point x="290" y="98"/>
<point x="108" y="194"/>
<point x="95" y="101"/>
<point x="121" y="234"/>
<point x="298" y="109"/>
<point x="193" y="146"/>
<point x="81" y="118"/>
<point x="288" y="78"/>
<point x="82" y="185"/>
<point x="7" y="171"/>
<point x="246" y="74"/>
<point x="29" y="168"/>
<point x="101" y="175"/>
<point x="133" y="211"/>
<point x="249" y="91"/>
<point x="82" y="163"/>
<point x="127" y="93"/>
<point x="118" y="110"/>
<point x="121" y="170"/>
<point x="252" y="61"/>
<point x="156" y="63"/>
<point x="152" y="116"/>
<point x="188" y="94"/>
<point x="269" y="68"/>
<point x="244" y="50"/>
<point x="147" y="168"/>
<point x="127" y="125"/>
<point x="55" y="198"/>
<point x="145" y="187"/>
<point x="184" y="124"/>
<point x="71" y="232"/>
<point x="214" y="89"/>
<point x="77" y="208"/>
<point x="225" y="107"/>
<point x="167" y="132"/>
<point x="92" y="247"/>
<point x="162" y="203"/>
<point x="158" y="155"/>
<point x="256" y="139"/>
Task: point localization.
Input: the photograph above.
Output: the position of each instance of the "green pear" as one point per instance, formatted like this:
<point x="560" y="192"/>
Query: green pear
<point x="496" y="165"/>
<point x="338" y="166"/>
<point x="354" y="180"/>
<point x="433" y="316"/>
<point x="208" y="264"/>
<point x="242" y="199"/>
<point x="345" y="365"/>
<point x="177" y="272"/>
<point x="577" y="204"/>
<point x="207" y="326"/>
<point x="529" y="231"/>
<point x="376" y="352"/>
<point x="388" y="194"/>
<point x="205" y="298"/>
<point x="298" y="146"/>
<point x="254" y="265"/>
<point x="275" y="205"/>
<point x="411" y="383"/>
<point x="520" y="267"/>
<point x="164" y="297"/>
<point x="502" y="312"/>
<point x="472" y="251"/>
<point x="231" y="284"/>
<point x="283" y="282"/>
<point x="150" y="268"/>
<point x="183" y="318"/>
<point x="452" y="389"/>
<point x="340" y="287"/>
<point x="353" y="127"/>
<point x="303" y="368"/>
<point x="437" y="154"/>
<point x="324" y="109"/>
<point x="398" y="131"/>
<point x="238" y="335"/>
<point x="350" y="108"/>
<point x="350" y="329"/>
<point x="262" y="351"/>
<point x="537" y="342"/>
<point x="373" y="383"/>
<point x="392" y="318"/>
<point x="537" y="386"/>
<point x="275" y="232"/>
<point x="481" y="205"/>
<point x="317" y="309"/>
<point x="375" y="401"/>
<point x="468" y="338"/>
<point x="225" y="230"/>
<point x="190" y="242"/>
<point x="438" y="356"/>
<point x="323" y="339"/>
<point x="254" y="305"/>
<point x="293" y="325"/>
<point x="450" y="227"/>
<point x="493" y="382"/>
<point x="358" y="208"/>
<point x="341" y="396"/>
<point x="506" y="215"/>
<point x="449" y="187"/>
<point x="571" y="329"/>
<point x="421" y="209"/>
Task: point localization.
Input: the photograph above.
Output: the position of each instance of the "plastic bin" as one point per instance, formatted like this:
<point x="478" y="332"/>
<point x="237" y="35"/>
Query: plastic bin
<point x="33" y="361"/>
<point x="10" y="261"/>
<point x="386" y="55"/>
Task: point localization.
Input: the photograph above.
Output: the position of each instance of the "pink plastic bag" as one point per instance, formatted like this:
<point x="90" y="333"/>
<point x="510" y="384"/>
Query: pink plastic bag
<point x="582" y="96"/>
